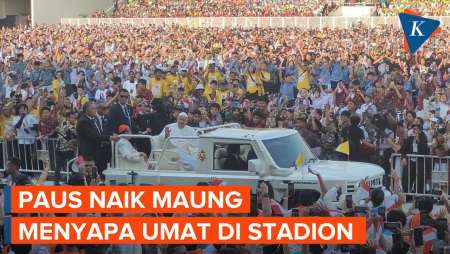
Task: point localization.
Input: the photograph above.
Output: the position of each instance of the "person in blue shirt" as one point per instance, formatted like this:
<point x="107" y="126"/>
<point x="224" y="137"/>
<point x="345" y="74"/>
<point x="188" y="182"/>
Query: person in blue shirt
<point x="368" y="83"/>
<point x="336" y="73"/>
<point x="20" y="66"/>
<point x="289" y="80"/>
<point x="47" y="75"/>
<point x="315" y="72"/>
<point x="345" y="72"/>
<point x="36" y="74"/>
<point x="325" y="73"/>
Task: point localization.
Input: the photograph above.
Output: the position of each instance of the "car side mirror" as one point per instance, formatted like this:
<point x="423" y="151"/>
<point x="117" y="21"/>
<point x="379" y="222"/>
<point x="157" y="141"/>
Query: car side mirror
<point x="257" y="166"/>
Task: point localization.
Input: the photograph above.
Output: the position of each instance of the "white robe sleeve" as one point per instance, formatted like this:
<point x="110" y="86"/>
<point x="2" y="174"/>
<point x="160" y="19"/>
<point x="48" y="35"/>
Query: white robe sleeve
<point x="127" y="151"/>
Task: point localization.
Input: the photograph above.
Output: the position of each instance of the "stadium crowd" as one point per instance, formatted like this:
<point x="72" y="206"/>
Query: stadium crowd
<point x="81" y="86"/>
<point x="228" y="8"/>
<point x="427" y="8"/>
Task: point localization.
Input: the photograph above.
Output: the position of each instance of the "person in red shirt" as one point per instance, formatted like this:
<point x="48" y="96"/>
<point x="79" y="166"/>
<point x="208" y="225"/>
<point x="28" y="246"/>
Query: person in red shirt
<point x="355" y="94"/>
<point x="142" y="91"/>
<point x="395" y="97"/>
<point x="48" y="123"/>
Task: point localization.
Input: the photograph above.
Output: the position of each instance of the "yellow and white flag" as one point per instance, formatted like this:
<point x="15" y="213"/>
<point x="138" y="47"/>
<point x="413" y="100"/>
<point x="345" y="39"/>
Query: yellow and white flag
<point x="344" y="148"/>
<point x="300" y="160"/>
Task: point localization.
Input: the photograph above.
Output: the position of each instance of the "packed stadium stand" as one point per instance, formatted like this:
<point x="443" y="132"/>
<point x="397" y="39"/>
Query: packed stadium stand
<point x="428" y="8"/>
<point x="209" y="8"/>
<point x="70" y="91"/>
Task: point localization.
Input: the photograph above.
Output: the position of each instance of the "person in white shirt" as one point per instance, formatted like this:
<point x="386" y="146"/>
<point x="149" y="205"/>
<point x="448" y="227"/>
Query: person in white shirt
<point x="178" y="129"/>
<point x="24" y="127"/>
<point x="102" y="92"/>
<point x="367" y="107"/>
<point x="126" y="150"/>
<point x="130" y="84"/>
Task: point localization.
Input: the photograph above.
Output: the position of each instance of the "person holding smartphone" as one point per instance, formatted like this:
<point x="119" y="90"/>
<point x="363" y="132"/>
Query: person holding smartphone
<point x="424" y="226"/>
<point x="269" y="207"/>
<point x="393" y="230"/>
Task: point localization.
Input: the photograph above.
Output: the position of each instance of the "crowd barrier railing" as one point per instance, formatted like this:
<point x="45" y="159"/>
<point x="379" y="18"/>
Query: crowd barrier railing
<point x="31" y="151"/>
<point x="249" y="22"/>
<point x="421" y="175"/>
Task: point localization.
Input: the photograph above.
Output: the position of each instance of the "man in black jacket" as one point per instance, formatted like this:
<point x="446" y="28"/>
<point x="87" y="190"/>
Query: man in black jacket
<point x="122" y="113"/>
<point x="104" y="155"/>
<point x="90" y="134"/>
<point x="416" y="144"/>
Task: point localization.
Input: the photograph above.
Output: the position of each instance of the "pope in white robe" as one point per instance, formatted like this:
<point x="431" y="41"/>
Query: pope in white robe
<point x="184" y="147"/>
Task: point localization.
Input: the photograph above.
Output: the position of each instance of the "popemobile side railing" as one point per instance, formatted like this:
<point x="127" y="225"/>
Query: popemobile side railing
<point x="31" y="152"/>
<point x="422" y="175"/>
<point x="249" y="22"/>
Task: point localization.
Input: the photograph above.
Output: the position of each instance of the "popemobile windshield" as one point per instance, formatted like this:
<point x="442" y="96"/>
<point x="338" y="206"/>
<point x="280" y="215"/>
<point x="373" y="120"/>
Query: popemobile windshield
<point x="239" y="156"/>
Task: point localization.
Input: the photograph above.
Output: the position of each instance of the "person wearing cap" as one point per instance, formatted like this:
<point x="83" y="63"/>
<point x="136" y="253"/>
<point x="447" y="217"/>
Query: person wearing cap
<point x="157" y="84"/>
<point x="126" y="150"/>
<point x="198" y="99"/>
<point x="177" y="129"/>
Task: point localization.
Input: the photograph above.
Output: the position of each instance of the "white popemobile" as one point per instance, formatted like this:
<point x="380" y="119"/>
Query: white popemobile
<point x="239" y="156"/>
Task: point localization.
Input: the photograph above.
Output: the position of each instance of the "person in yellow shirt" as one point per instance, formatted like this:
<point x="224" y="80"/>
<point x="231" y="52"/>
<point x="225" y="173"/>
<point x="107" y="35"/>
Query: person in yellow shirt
<point x="185" y="81"/>
<point x="236" y="92"/>
<point x="212" y="73"/>
<point x="32" y="104"/>
<point x="79" y="99"/>
<point x="57" y="83"/>
<point x="223" y="93"/>
<point x="254" y="81"/>
<point x="211" y="91"/>
<point x="172" y="80"/>
<point x="157" y="84"/>
<point x="5" y="118"/>
<point x="303" y="78"/>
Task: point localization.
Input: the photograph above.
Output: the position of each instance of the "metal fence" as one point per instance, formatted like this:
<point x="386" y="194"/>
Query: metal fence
<point x="248" y="22"/>
<point x="421" y="174"/>
<point x="31" y="152"/>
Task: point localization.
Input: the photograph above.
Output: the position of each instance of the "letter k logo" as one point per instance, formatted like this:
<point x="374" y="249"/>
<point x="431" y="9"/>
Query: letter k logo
<point x="417" y="30"/>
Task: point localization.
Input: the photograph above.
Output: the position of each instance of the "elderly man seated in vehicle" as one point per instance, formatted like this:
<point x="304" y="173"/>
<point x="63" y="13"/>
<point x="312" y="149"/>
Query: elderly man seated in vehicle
<point x="128" y="156"/>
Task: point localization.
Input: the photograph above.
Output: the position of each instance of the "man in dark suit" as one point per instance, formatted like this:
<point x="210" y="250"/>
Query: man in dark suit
<point x="90" y="134"/>
<point x="122" y="113"/>
<point x="105" y="153"/>
<point x="416" y="144"/>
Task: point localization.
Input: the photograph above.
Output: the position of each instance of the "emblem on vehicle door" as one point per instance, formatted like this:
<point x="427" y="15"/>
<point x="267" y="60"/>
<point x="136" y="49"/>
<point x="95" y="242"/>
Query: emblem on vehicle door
<point x="201" y="155"/>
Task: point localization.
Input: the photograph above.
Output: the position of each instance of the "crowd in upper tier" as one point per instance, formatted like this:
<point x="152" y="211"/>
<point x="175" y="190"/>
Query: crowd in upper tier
<point x="227" y="8"/>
